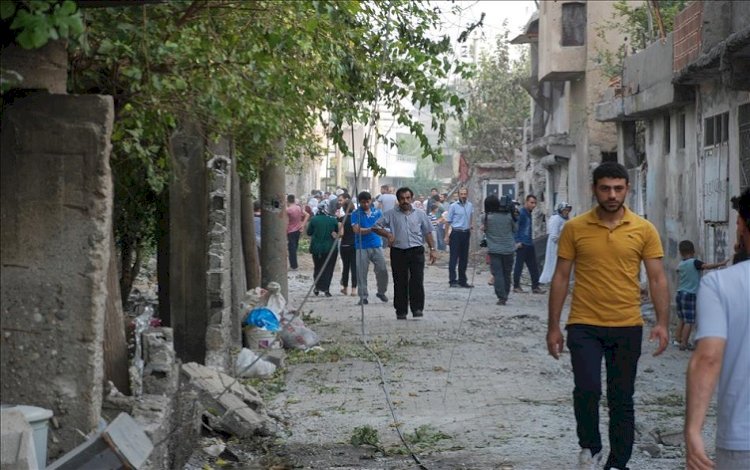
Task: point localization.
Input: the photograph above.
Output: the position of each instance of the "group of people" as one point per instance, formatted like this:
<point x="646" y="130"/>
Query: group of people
<point x="604" y="249"/>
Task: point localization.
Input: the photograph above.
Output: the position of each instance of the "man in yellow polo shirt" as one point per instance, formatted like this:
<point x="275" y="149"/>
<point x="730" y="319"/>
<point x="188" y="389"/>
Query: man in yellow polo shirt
<point x="607" y="245"/>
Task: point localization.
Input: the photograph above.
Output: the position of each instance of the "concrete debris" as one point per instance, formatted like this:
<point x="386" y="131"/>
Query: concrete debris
<point x="122" y="444"/>
<point x="652" y="450"/>
<point x="214" y="447"/>
<point x="230" y="406"/>
<point x="17" y="451"/>
<point x="671" y="438"/>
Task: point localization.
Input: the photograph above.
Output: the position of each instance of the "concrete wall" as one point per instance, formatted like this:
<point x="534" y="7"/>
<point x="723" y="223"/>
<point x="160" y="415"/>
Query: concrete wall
<point x="55" y="226"/>
<point x="557" y="62"/>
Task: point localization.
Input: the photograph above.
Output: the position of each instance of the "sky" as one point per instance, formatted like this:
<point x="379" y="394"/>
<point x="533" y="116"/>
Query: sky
<point x="517" y="12"/>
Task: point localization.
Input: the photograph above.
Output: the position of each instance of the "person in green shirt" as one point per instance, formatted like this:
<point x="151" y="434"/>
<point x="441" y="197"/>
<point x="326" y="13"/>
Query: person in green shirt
<point x="323" y="232"/>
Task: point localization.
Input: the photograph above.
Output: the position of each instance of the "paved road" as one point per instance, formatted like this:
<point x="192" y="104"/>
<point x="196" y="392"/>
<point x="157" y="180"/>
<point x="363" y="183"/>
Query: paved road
<point x="474" y="377"/>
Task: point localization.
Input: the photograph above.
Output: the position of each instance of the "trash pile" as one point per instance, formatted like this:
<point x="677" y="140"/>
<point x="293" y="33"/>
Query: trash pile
<point x="269" y="327"/>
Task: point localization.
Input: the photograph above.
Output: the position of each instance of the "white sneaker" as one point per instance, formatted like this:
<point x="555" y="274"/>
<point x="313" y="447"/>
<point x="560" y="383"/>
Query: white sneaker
<point x="586" y="461"/>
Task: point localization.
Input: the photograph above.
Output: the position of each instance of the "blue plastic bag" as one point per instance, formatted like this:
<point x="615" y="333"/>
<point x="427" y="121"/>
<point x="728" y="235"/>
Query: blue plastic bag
<point x="263" y="318"/>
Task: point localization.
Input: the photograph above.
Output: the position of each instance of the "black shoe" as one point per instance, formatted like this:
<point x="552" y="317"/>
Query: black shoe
<point x="466" y="286"/>
<point x="454" y="284"/>
<point x="328" y="294"/>
<point x="417" y="314"/>
<point x="401" y="317"/>
<point x="362" y="302"/>
<point x="316" y="292"/>
<point x="382" y="297"/>
<point x="501" y="302"/>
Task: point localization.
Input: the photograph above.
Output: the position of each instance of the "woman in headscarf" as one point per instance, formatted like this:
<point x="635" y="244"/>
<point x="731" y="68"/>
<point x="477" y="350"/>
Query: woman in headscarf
<point x="554" y="228"/>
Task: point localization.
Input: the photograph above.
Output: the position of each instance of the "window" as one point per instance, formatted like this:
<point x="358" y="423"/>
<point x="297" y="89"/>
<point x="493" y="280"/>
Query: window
<point x="681" y="131"/>
<point x="667" y="134"/>
<point x="716" y="130"/>
<point x="573" y="24"/>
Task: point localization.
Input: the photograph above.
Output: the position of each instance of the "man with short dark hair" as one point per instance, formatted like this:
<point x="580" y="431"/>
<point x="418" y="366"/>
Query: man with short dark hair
<point x="369" y="248"/>
<point x="606" y="246"/>
<point x="458" y="224"/>
<point x="409" y="229"/>
<point x="525" y="251"/>
<point x="721" y="355"/>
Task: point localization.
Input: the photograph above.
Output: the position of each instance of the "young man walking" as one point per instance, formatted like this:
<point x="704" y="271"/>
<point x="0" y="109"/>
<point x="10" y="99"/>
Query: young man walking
<point x="369" y="248"/>
<point x="525" y="252"/>
<point x="457" y="237"/>
<point x="607" y="245"/>
<point x="409" y="229"/>
<point x="721" y="355"/>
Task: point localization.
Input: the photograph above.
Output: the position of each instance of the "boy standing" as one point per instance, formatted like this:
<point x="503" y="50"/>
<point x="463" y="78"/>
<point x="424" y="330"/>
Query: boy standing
<point x="689" y="276"/>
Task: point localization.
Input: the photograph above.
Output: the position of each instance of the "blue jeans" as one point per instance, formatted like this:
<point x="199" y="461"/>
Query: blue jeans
<point x="621" y="348"/>
<point x="292" y="242"/>
<point x="526" y="255"/>
<point x="501" y="266"/>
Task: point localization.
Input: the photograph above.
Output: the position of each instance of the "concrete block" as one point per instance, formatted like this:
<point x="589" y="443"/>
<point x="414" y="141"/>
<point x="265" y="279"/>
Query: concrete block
<point x="230" y="406"/>
<point x="122" y="444"/>
<point x="17" y="451"/>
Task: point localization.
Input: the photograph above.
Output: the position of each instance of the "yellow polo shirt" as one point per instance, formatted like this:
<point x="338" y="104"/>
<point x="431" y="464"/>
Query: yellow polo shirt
<point x="607" y="263"/>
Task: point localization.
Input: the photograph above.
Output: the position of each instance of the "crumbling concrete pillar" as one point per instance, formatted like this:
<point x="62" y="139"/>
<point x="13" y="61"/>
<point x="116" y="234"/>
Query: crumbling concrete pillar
<point x="188" y="244"/>
<point x="55" y="226"/>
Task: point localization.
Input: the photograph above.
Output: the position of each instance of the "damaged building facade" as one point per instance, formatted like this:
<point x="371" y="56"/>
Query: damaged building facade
<point x="682" y="112"/>
<point x="562" y="139"/>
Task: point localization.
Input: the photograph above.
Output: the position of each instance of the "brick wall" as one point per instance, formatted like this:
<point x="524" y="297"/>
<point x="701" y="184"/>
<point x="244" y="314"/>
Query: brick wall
<point x="687" y="35"/>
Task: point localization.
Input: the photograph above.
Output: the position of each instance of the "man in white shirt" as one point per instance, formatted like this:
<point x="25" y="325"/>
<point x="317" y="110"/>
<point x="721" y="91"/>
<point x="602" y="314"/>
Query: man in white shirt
<point x="722" y="355"/>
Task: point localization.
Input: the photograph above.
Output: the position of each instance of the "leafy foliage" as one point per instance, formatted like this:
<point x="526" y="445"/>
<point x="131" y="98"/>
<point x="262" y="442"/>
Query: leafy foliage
<point x="498" y="105"/>
<point x="38" y="21"/>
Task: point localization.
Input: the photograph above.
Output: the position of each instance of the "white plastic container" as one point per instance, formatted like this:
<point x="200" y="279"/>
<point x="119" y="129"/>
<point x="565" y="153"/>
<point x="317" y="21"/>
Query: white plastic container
<point x="38" y="418"/>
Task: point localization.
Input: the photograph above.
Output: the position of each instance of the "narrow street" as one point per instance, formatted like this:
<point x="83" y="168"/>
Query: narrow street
<point x="472" y="377"/>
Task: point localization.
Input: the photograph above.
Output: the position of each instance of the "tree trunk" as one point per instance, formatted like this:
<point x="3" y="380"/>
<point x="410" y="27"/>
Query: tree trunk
<point x="115" y="344"/>
<point x="273" y="259"/>
<point x="249" y="247"/>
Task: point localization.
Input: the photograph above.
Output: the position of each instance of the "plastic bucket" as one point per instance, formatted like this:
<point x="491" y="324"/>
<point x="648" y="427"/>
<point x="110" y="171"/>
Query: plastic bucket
<point x="38" y="419"/>
<point x="258" y="338"/>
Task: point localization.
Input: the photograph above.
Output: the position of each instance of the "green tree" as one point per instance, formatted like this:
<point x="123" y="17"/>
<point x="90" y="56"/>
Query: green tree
<point x="259" y="72"/>
<point x="497" y="105"/>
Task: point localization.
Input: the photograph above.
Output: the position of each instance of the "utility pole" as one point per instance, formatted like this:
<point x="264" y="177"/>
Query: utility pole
<point x="273" y="221"/>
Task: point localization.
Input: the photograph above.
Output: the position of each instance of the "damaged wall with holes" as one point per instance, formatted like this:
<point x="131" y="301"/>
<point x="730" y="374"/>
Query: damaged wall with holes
<point x="683" y="117"/>
<point x="56" y="248"/>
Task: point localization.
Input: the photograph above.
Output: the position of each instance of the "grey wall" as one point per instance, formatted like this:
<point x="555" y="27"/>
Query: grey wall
<point x="55" y="226"/>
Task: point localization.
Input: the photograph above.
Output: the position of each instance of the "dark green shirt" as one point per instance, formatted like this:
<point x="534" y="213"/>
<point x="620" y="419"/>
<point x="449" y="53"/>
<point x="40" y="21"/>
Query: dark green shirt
<point x="320" y="228"/>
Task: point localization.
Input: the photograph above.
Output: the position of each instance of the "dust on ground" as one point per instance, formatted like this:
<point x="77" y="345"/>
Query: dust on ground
<point x="471" y="386"/>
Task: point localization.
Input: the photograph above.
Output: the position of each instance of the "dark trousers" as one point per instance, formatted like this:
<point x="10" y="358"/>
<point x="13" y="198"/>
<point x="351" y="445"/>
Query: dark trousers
<point x="501" y="266"/>
<point x="459" y="255"/>
<point x="325" y="270"/>
<point x="526" y="255"/>
<point x="621" y="348"/>
<point x="292" y="242"/>
<point x="407" y="267"/>
<point x="349" y="261"/>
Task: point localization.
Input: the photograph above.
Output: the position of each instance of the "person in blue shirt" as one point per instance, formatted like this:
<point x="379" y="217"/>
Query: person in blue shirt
<point x="525" y="252"/>
<point x="457" y="237"/>
<point x="369" y="248"/>
<point x="689" y="277"/>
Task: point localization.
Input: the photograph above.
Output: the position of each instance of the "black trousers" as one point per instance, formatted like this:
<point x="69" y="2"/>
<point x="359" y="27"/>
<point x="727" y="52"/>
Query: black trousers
<point x="292" y="242"/>
<point x="349" y="261"/>
<point x="407" y="267"/>
<point x="325" y="270"/>
<point x="459" y="255"/>
<point x="526" y="255"/>
<point x="621" y="348"/>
